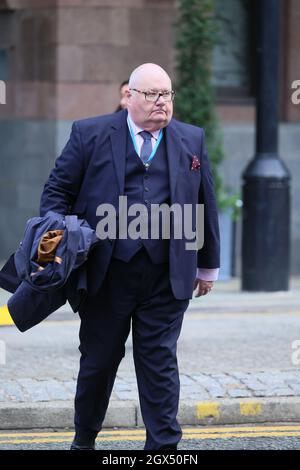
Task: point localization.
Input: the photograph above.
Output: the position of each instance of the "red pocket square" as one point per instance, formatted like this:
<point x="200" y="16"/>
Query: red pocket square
<point x="195" y="163"/>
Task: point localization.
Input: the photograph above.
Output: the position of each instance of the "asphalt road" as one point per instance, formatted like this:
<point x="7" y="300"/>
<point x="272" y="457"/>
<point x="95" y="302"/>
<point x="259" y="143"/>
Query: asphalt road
<point x="208" y="342"/>
<point x="267" y="437"/>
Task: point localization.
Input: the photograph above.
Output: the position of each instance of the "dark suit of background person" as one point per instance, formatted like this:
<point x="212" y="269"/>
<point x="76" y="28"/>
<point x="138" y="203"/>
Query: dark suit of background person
<point x="146" y="282"/>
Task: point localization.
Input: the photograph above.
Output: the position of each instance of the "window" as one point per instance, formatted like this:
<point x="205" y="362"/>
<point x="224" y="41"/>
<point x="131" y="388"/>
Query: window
<point x="234" y="56"/>
<point x="3" y="65"/>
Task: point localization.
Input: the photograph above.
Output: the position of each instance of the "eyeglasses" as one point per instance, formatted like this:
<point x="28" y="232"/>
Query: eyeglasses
<point x="153" y="96"/>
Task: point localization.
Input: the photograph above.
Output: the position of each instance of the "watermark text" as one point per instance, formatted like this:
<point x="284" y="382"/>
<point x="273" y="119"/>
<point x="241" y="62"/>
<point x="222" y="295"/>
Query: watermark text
<point x="176" y="221"/>
<point x="2" y="92"/>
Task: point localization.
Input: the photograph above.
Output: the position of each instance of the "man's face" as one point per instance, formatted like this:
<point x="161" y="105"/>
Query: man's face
<point x="149" y="115"/>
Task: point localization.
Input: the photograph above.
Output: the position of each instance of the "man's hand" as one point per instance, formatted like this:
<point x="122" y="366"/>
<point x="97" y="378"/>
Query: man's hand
<point x="203" y="287"/>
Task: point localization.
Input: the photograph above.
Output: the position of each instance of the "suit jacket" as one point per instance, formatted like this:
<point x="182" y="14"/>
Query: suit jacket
<point x="40" y="288"/>
<point x="52" y="247"/>
<point x="91" y="171"/>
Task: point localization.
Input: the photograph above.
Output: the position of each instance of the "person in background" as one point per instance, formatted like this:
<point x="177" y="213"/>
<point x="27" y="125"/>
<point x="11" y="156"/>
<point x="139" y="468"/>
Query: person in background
<point x="124" y="87"/>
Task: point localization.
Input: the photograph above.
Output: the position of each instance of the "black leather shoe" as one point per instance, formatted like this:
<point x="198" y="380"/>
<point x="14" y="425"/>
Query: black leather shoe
<point x="76" y="447"/>
<point x="168" y="448"/>
<point x="81" y="442"/>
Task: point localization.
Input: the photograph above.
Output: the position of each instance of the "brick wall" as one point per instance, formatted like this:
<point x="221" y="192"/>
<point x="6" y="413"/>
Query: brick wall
<point x="66" y="59"/>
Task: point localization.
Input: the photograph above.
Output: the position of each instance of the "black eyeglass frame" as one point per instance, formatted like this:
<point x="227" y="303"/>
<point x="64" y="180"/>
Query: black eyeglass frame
<point x="159" y="93"/>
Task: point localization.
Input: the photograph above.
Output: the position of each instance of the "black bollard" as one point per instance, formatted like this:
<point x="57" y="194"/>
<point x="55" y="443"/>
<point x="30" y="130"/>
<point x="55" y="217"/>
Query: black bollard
<point x="266" y="186"/>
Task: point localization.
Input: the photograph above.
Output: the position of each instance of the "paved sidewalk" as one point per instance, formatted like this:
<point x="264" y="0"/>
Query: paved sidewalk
<point x="224" y="398"/>
<point x="234" y="355"/>
<point x="206" y="386"/>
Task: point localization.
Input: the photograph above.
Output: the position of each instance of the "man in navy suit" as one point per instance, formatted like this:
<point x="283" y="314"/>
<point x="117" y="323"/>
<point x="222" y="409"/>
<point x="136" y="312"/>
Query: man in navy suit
<point x="146" y="156"/>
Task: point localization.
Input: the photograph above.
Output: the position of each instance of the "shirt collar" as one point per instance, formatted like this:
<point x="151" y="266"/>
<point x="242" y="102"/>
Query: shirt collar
<point x="136" y="129"/>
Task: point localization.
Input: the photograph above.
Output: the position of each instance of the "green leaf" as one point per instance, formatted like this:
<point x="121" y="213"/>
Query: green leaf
<point x="197" y="33"/>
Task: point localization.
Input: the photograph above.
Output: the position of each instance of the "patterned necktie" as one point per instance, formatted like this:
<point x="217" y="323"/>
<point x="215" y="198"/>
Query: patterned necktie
<point x="146" y="148"/>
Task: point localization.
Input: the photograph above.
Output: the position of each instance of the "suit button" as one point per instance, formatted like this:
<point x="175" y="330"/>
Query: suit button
<point x="146" y="189"/>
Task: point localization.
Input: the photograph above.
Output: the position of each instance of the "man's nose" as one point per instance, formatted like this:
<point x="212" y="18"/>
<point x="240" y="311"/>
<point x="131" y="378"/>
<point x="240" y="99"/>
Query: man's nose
<point x="160" y="100"/>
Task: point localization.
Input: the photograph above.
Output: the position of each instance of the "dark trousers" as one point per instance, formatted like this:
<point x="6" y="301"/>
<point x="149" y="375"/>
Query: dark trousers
<point x="139" y="291"/>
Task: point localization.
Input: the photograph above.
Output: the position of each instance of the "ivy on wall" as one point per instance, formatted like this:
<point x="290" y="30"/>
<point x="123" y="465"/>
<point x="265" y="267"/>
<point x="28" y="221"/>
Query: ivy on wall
<point x="197" y="34"/>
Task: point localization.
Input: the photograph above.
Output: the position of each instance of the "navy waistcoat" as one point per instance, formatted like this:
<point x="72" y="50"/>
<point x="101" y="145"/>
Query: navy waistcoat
<point x="145" y="186"/>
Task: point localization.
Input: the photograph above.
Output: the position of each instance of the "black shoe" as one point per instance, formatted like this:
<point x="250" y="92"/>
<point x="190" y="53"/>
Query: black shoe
<point x="81" y="442"/>
<point x="77" y="447"/>
<point x="168" y="447"/>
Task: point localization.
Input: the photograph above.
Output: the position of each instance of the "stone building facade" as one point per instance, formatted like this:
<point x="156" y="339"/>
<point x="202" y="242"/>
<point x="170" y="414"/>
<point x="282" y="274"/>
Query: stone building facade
<point x="63" y="60"/>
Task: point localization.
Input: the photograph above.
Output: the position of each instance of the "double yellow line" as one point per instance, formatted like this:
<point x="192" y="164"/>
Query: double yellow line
<point x="195" y="433"/>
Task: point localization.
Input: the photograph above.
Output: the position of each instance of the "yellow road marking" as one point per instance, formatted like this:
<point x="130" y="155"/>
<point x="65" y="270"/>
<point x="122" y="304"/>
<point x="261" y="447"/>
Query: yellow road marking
<point x="138" y="435"/>
<point x="242" y="429"/>
<point x="242" y="435"/>
<point x="141" y="438"/>
<point x="250" y="408"/>
<point x="199" y="429"/>
<point x="207" y="409"/>
<point x="5" y="318"/>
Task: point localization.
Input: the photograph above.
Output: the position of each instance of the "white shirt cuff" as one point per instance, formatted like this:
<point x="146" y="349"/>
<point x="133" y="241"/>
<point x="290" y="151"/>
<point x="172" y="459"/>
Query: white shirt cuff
<point x="206" y="274"/>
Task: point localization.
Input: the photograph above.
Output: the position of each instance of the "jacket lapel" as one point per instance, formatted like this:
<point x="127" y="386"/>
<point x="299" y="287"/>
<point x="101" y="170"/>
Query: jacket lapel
<point x="174" y="149"/>
<point x="118" y="139"/>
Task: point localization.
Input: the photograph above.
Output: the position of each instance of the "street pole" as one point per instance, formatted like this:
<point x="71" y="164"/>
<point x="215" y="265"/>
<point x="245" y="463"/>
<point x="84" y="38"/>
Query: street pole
<point x="266" y="191"/>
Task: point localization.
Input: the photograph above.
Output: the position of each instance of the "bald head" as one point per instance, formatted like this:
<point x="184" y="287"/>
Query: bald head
<point x="149" y="115"/>
<point x="148" y="74"/>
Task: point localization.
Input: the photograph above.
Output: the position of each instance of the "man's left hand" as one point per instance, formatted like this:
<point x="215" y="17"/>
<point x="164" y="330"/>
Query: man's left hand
<point x="202" y="287"/>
